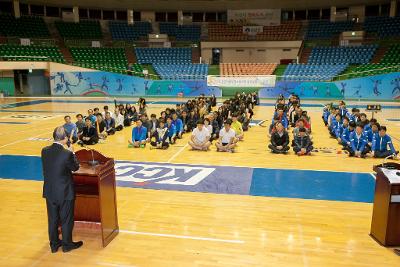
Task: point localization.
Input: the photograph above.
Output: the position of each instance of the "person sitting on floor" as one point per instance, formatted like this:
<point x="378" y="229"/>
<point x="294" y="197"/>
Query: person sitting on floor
<point x="341" y="129"/>
<point x="381" y="143"/>
<point x="105" y="108"/>
<point x="119" y="120"/>
<point x="345" y="137"/>
<point x="171" y="131"/>
<point x="200" y="137"/>
<point x="110" y="124"/>
<point x="358" y="142"/>
<point x="279" y="140"/>
<point x="139" y="135"/>
<point x="153" y="123"/>
<point x="89" y="134"/>
<point x="160" y="136"/>
<point x="227" y="138"/>
<point x="70" y="129"/>
<point x="178" y="125"/>
<point x="237" y="127"/>
<point x="101" y="127"/>
<point x="80" y="123"/>
<point x="302" y="143"/>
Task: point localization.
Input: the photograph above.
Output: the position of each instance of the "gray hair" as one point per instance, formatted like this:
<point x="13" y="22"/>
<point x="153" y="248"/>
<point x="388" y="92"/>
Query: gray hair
<point x="59" y="133"/>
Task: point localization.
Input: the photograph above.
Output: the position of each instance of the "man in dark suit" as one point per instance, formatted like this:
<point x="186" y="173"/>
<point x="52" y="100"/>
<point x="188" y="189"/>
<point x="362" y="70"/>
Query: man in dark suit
<point x="58" y="189"/>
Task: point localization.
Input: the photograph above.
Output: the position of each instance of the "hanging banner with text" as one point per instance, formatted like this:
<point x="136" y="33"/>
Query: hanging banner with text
<point x="253" y="30"/>
<point x="265" y="17"/>
<point x="242" y="81"/>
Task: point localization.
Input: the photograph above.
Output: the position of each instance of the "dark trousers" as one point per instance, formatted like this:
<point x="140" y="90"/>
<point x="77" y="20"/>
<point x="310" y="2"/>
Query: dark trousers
<point x="119" y="128"/>
<point x="274" y="149"/>
<point x="110" y="131"/>
<point x="60" y="213"/>
<point x="164" y="145"/>
<point x="308" y="149"/>
<point x="382" y="154"/>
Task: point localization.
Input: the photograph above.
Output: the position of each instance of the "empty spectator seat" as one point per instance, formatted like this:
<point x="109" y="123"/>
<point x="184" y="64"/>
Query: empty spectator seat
<point x="85" y="29"/>
<point x="29" y="27"/>
<point x="383" y="26"/>
<point x="181" y="71"/>
<point x="342" y="54"/>
<point x="164" y="55"/>
<point x="11" y="52"/>
<point x="310" y="72"/>
<point x="121" y="30"/>
<point x="247" y="68"/>
<point x="181" y="32"/>
<point x="324" y="29"/>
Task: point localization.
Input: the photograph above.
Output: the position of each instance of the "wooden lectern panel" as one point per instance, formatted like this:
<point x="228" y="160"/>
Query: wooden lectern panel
<point x="95" y="190"/>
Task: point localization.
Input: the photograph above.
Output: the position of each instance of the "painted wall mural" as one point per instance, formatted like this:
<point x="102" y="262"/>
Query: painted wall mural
<point x="106" y="83"/>
<point x="379" y="87"/>
<point x="384" y="87"/>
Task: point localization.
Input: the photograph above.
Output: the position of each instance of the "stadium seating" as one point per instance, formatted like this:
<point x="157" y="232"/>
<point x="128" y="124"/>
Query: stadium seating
<point x="82" y="30"/>
<point x="181" y="32"/>
<point x="122" y="31"/>
<point x="164" y="55"/>
<point x="29" y="27"/>
<point x="383" y="26"/>
<point x="342" y="55"/>
<point x="247" y="68"/>
<point x="181" y="71"/>
<point x="373" y="69"/>
<point x="309" y="72"/>
<point x="107" y="59"/>
<point x="392" y="55"/>
<point x="218" y="31"/>
<point x="324" y="29"/>
<point x="11" y="52"/>
<point x="285" y="32"/>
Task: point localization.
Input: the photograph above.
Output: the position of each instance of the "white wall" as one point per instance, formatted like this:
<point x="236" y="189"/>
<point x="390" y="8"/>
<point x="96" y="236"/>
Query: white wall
<point x="252" y="52"/>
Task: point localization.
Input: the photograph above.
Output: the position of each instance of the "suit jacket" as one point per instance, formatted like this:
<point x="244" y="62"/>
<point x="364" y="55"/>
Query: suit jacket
<point x="58" y="164"/>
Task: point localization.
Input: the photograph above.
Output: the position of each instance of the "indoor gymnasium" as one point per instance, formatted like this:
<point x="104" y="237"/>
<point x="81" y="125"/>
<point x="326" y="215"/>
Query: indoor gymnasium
<point x="200" y="133"/>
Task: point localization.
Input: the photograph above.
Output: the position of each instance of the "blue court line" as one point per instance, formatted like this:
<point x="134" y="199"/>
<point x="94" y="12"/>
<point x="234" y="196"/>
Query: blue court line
<point x="305" y="184"/>
<point x="13" y="122"/>
<point x="24" y="103"/>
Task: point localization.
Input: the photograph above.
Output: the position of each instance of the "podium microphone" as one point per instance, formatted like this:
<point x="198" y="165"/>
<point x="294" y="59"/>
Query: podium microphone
<point x="90" y="162"/>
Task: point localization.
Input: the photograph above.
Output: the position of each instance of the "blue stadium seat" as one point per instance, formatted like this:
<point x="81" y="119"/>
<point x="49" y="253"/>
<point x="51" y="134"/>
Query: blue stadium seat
<point x="181" y="32"/>
<point x="181" y="71"/>
<point x="342" y="54"/>
<point x="310" y="72"/>
<point x="120" y="30"/>
<point x="164" y="55"/>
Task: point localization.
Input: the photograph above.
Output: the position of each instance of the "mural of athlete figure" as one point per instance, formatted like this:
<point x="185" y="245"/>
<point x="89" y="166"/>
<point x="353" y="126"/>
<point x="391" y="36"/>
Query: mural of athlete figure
<point x="343" y="90"/>
<point x="301" y="90"/>
<point x="376" y="87"/>
<point x="146" y="86"/>
<point x="357" y="92"/>
<point x="328" y="91"/>
<point x="79" y="76"/>
<point x="105" y="83"/>
<point x="120" y="87"/>
<point x="58" y="87"/>
<point x="67" y="87"/>
<point x="62" y="76"/>
<point x="170" y="88"/>
<point x="195" y="88"/>
<point x="315" y="90"/>
<point x="134" y="89"/>
<point x="396" y="83"/>
<point x="158" y="92"/>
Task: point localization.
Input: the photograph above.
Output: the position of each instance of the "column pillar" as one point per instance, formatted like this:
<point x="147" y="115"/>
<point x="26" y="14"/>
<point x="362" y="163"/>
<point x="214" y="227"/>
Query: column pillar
<point x="17" y="13"/>
<point x="393" y="8"/>
<point x="333" y="13"/>
<point x="130" y="16"/>
<point x="75" y="11"/>
<point x="180" y="17"/>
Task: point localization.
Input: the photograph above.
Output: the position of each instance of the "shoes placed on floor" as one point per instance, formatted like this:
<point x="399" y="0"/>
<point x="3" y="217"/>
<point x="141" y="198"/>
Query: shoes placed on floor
<point x="55" y="248"/>
<point x="72" y="246"/>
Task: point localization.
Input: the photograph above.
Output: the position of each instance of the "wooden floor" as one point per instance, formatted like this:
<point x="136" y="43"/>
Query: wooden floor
<point x="171" y="228"/>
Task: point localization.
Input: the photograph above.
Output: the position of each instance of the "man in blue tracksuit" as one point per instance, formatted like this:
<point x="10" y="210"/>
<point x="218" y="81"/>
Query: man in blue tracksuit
<point x="371" y="134"/>
<point x="139" y="135"/>
<point x="178" y="125"/>
<point x="325" y="115"/>
<point x="171" y="131"/>
<point x="345" y="138"/>
<point x="358" y="143"/>
<point x="340" y="130"/>
<point x="368" y="126"/>
<point x="381" y="143"/>
<point x="335" y="126"/>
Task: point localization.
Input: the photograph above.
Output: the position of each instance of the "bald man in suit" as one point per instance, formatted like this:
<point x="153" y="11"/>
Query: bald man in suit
<point x="58" y="164"/>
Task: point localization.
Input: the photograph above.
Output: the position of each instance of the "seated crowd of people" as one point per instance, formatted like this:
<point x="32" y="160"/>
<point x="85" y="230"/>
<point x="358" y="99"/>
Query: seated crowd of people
<point x="359" y="136"/>
<point x="200" y="117"/>
<point x="290" y="115"/>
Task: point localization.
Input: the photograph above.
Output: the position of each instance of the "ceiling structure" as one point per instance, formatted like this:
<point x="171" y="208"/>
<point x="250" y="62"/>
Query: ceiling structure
<point x="203" y="5"/>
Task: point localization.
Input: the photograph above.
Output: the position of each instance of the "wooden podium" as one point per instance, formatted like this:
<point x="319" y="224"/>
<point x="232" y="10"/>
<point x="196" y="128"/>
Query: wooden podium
<point x="385" y="225"/>
<point x="95" y="193"/>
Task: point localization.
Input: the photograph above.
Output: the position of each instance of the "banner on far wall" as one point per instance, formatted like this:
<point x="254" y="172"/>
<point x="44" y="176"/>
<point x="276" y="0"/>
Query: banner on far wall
<point x="242" y="81"/>
<point x="378" y="87"/>
<point x="265" y="17"/>
<point x="252" y="30"/>
<point x="106" y="83"/>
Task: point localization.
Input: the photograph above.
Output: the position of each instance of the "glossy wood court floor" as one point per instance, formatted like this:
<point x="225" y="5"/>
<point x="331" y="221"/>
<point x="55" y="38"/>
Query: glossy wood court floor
<point x="287" y="216"/>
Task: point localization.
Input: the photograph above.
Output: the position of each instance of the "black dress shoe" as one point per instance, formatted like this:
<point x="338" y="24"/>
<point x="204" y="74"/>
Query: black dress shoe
<point x="55" y="248"/>
<point x="72" y="246"/>
<point x="397" y="251"/>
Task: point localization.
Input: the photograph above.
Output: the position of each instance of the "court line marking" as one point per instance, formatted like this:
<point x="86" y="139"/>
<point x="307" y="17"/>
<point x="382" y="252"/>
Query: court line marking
<point x="373" y="175"/>
<point x="114" y="264"/>
<point x="177" y="153"/>
<point x="233" y="241"/>
<point x="24" y="139"/>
